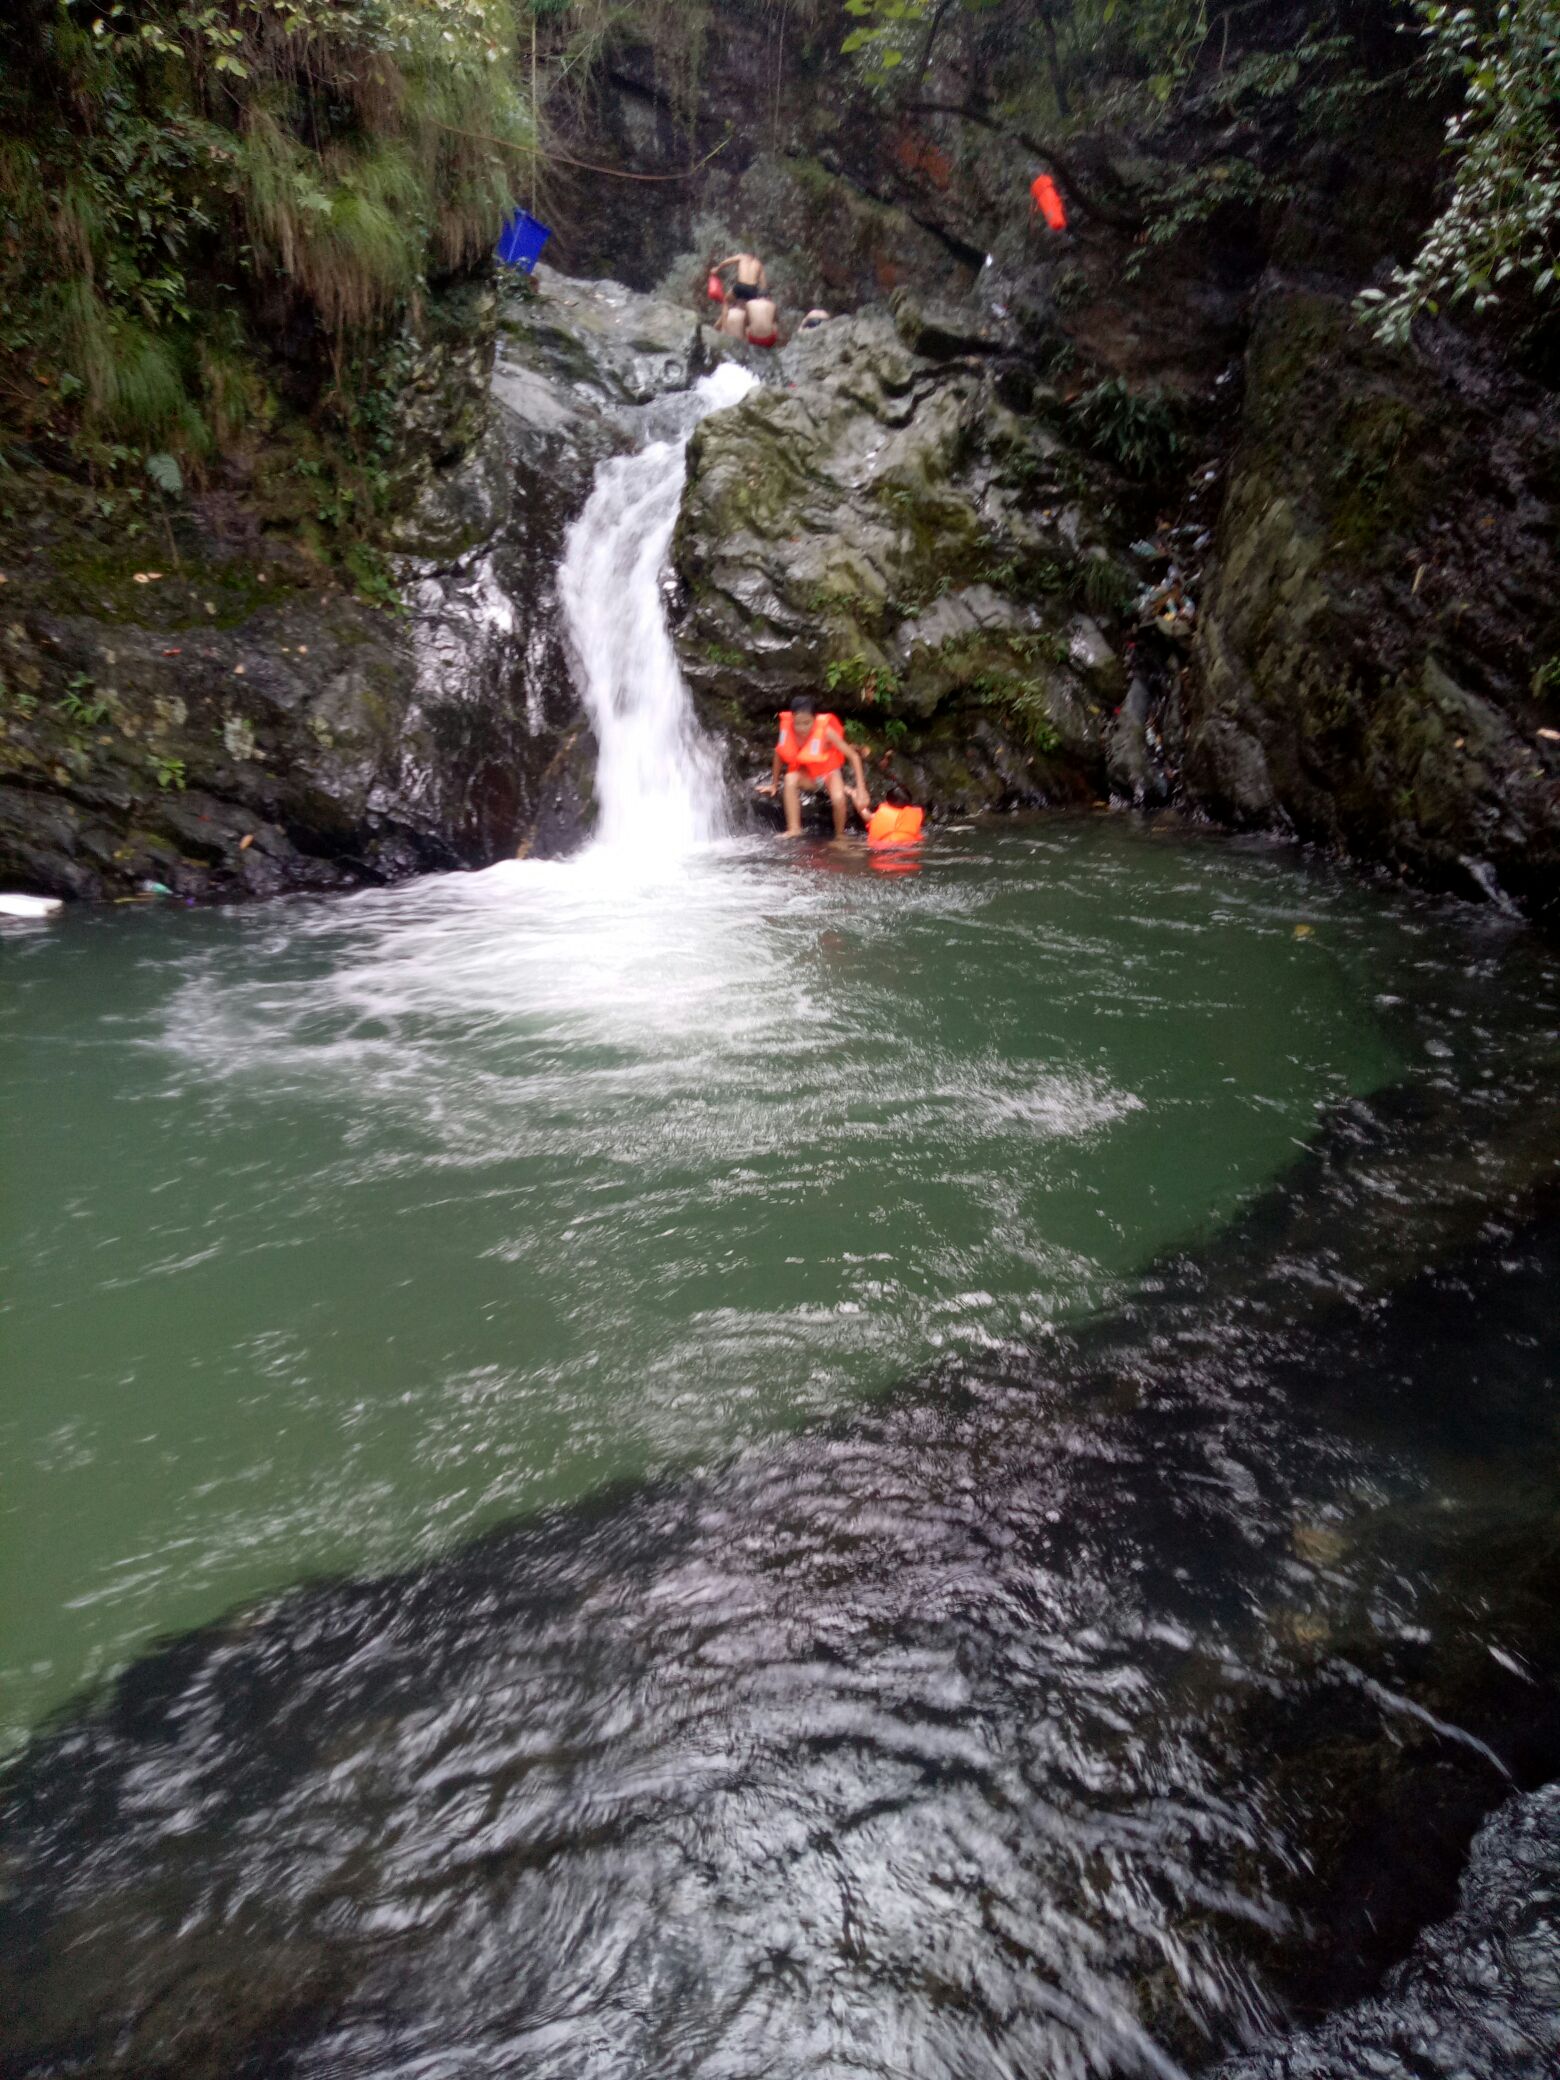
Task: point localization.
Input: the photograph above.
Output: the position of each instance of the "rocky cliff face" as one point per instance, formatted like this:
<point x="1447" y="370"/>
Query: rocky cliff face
<point x="1366" y="537"/>
<point x="1092" y="520"/>
<point x="208" y="711"/>
<point x="1381" y="601"/>
<point x="893" y="527"/>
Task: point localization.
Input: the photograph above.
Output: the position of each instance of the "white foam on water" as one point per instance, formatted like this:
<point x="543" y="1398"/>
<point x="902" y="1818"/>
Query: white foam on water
<point x="658" y="781"/>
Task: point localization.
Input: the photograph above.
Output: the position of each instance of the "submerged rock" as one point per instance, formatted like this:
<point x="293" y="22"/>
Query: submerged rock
<point x="1480" y="1996"/>
<point x="981" y="1672"/>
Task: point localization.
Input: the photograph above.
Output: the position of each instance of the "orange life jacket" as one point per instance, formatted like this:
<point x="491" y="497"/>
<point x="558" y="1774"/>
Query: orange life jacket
<point x="1048" y="200"/>
<point x="891" y="826"/>
<point x="816" y="758"/>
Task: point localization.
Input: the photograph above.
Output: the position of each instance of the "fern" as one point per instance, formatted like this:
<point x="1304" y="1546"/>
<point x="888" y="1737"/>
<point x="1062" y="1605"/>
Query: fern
<point x="1135" y="430"/>
<point x="166" y="474"/>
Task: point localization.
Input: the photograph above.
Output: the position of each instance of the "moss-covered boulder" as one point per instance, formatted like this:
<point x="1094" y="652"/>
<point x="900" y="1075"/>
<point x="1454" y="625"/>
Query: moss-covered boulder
<point x="898" y="525"/>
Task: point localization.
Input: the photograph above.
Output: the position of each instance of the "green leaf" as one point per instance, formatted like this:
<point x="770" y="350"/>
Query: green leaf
<point x="166" y="474"/>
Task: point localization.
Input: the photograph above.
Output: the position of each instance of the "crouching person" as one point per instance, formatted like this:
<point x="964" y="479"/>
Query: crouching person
<point x="812" y="753"/>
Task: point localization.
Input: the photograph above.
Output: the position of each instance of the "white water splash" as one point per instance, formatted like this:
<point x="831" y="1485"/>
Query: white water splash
<point x="658" y="777"/>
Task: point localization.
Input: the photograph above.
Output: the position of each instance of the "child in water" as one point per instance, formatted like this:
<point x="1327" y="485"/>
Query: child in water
<point x="896" y="820"/>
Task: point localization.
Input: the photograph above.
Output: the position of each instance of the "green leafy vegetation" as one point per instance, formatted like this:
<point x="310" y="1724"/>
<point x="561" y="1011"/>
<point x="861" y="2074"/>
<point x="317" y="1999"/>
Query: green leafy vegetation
<point x="215" y="215"/>
<point x="373" y="578"/>
<point x="1124" y="58"/>
<point x="1500" y="227"/>
<point x="1022" y="704"/>
<point x="1105" y="588"/>
<point x="1196" y="196"/>
<point x="1144" y="65"/>
<point x="165" y="473"/>
<point x="1136" y="430"/>
<point x="859" y="679"/>
<point x="76" y="705"/>
<point x="831" y="599"/>
<point x="1372" y="480"/>
<point x="1023" y="646"/>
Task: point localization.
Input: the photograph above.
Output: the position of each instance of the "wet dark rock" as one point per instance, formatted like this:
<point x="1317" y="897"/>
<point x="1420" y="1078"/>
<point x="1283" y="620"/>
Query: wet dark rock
<point x="1479" y="1996"/>
<point x="880" y="531"/>
<point x="245" y="758"/>
<point x="938" y="328"/>
<point x="606" y="342"/>
<point x="1382" y="586"/>
<point x="218" y="714"/>
<point x="1134" y="773"/>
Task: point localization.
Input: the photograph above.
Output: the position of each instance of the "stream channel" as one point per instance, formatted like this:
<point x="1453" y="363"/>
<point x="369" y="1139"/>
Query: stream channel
<point x="720" y="1459"/>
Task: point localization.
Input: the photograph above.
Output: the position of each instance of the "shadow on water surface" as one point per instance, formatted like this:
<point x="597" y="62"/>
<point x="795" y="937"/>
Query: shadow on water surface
<point x="1091" y="1709"/>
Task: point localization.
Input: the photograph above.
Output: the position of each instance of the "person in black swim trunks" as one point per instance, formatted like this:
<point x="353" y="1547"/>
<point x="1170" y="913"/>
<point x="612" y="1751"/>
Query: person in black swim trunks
<point x="751" y="281"/>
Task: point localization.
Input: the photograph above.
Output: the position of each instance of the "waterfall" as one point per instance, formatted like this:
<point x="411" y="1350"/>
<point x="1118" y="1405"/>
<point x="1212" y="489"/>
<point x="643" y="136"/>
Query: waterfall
<point x="658" y="779"/>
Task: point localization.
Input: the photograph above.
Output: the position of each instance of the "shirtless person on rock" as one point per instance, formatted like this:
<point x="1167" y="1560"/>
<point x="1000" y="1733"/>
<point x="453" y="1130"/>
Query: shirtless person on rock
<point x="751" y="312"/>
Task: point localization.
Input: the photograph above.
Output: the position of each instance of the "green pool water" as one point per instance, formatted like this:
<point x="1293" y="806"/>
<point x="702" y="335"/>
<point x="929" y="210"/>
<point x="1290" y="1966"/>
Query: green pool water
<point x="334" y="1231"/>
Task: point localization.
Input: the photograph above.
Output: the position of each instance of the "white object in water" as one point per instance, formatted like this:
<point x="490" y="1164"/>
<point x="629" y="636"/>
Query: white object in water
<point x="29" y="906"/>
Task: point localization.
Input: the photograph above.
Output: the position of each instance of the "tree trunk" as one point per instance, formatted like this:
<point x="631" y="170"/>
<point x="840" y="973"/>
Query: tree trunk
<point x="1054" y="59"/>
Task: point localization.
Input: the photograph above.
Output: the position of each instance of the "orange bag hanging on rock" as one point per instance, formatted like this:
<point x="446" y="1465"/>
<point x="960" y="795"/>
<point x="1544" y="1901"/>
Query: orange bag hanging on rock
<point x="1048" y="200"/>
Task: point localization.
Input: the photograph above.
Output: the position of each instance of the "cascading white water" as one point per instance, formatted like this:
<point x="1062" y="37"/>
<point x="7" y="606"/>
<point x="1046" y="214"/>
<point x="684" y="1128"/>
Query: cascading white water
<point x="657" y="780"/>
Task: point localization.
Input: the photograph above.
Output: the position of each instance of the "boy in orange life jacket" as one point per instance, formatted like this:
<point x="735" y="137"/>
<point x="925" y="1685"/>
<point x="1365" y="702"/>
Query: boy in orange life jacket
<point x="811" y="752"/>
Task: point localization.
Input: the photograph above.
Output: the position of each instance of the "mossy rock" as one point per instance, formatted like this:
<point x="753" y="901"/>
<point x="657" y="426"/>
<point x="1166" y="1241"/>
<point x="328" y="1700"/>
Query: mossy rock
<point x="862" y="535"/>
<point x="1384" y="561"/>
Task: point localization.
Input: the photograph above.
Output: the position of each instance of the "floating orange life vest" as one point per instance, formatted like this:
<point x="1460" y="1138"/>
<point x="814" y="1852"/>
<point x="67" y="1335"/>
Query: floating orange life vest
<point x="816" y="758"/>
<point x="891" y="826"/>
<point x="1048" y="200"/>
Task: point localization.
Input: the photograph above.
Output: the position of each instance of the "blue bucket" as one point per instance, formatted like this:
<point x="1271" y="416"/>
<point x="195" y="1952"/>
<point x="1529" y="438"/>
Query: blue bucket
<point x="522" y="240"/>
